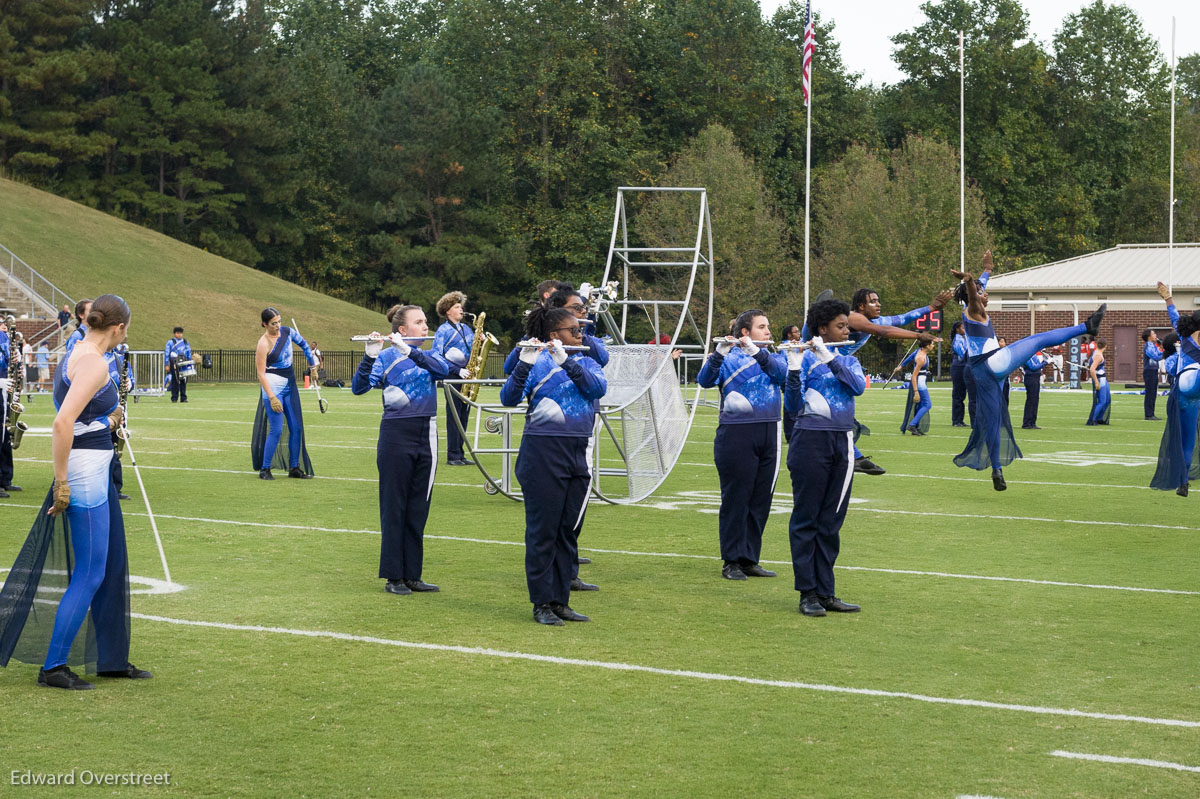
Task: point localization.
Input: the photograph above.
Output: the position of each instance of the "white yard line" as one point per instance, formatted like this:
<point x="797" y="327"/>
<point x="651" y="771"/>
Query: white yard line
<point x="676" y="673"/>
<point x="668" y="555"/>
<point x="1129" y="761"/>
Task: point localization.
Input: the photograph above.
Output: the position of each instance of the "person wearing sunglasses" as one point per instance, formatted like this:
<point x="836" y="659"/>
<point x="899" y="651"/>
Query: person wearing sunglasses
<point x="573" y="301"/>
<point x="563" y="392"/>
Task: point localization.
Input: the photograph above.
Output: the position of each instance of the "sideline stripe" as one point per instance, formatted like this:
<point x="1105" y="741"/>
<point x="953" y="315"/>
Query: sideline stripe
<point x="1131" y="761"/>
<point x="695" y="675"/>
<point x="670" y="555"/>
<point x="1089" y="522"/>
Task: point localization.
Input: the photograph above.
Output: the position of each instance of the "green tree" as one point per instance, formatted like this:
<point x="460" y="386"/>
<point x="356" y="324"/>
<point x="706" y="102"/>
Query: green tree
<point x="752" y="269"/>
<point x="892" y="223"/>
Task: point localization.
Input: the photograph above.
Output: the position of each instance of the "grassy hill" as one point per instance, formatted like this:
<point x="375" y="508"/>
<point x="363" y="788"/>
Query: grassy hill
<point x="86" y="252"/>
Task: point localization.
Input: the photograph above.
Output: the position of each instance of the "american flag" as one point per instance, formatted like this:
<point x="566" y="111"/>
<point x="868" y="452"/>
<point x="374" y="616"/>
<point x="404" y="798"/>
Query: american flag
<point x="810" y="46"/>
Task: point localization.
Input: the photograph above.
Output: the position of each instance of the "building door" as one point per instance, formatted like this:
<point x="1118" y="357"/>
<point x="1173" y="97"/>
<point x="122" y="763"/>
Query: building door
<point x="1125" y="355"/>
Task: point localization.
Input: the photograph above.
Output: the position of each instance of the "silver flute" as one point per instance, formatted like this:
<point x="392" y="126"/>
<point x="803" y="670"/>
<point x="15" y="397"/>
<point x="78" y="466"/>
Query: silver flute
<point x="534" y="344"/>
<point x="783" y="345"/>
<point x="387" y="337"/>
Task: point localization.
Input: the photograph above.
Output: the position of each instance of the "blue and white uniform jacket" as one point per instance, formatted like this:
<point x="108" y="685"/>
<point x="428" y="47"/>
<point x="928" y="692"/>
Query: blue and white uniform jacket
<point x="562" y="399"/>
<point x="409" y="382"/>
<point x="750" y="385"/>
<point x="827" y="392"/>
<point x="452" y="342"/>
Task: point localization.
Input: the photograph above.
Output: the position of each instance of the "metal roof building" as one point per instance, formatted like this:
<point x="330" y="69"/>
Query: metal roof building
<point x="1124" y="275"/>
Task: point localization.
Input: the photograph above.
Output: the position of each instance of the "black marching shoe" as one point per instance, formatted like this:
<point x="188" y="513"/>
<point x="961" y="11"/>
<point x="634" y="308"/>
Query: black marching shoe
<point x="543" y="614"/>
<point x="836" y="605"/>
<point x="566" y="614"/>
<point x="130" y="672"/>
<point x="960" y="424"/>
<point x="864" y="466"/>
<point x="265" y="474"/>
<point x="1093" y="323"/>
<point x="583" y="561"/>
<point x="732" y="571"/>
<point x="580" y="585"/>
<point x="754" y="570"/>
<point x="827" y="294"/>
<point x="810" y="605"/>
<point x="299" y="473"/>
<point x="1153" y="419"/>
<point x="63" y="677"/>
<point x="1030" y="427"/>
<point x="916" y="431"/>
<point x="11" y="488"/>
<point x="420" y="587"/>
<point x="397" y="587"/>
<point x="123" y="495"/>
<point x="460" y="462"/>
<point x="4" y="494"/>
<point x="1182" y="490"/>
<point x="998" y="480"/>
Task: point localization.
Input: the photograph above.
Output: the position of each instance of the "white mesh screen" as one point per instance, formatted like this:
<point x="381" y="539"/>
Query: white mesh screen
<point x="647" y="418"/>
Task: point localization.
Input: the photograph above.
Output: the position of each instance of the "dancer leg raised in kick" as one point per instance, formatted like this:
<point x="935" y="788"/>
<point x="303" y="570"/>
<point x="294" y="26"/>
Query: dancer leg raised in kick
<point x="991" y="443"/>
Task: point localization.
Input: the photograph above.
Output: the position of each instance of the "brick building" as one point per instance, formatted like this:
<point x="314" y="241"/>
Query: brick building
<point x="1066" y="292"/>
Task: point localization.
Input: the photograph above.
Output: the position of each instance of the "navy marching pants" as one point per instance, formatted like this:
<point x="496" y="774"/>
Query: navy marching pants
<point x="407" y="460"/>
<point x="1150" y="378"/>
<point x="821" y="463"/>
<point x="454" y="441"/>
<point x="554" y="477"/>
<point x="959" y="393"/>
<point x="1033" y="396"/>
<point x="745" y="455"/>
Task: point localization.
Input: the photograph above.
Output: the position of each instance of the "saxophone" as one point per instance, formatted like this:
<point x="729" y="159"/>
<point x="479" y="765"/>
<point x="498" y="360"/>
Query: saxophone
<point x="123" y="401"/>
<point x="480" y="347"/>
<point x="16" y="428"/>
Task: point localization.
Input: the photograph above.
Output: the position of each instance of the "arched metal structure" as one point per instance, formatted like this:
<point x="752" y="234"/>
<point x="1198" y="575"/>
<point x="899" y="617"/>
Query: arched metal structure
<point x="644" y="418"/>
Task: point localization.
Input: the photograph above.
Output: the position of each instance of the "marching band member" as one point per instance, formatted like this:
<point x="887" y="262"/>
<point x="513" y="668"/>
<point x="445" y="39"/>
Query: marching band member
<point x="452" y="342"/>
<point x="544" y="291"/>
<point x="84" y="501"/>
<point x="116" y="360"/>
<point x="406" y="454"/>
<point x="1101" y="397"/>
<point x="791" y="333"/>
<point x="573" y="301"/>
<point x="563" y="393"/>
<point x="960" y="378"/>
<point x="82" y="308"/>
<point x="6" y="397"/>
<point x="176" y="351"/>
<point x="1177" y="461"/>
<point x="991" y="442"/>
<point x="1152" y="353"/>
<point x="916" y="409"/>
<point x="821" y="458"/>
<point x="1033" y="390"/>
<point x="866" y="320"/>
<point x="746" y="445"/>
<point x="280" y="399"/>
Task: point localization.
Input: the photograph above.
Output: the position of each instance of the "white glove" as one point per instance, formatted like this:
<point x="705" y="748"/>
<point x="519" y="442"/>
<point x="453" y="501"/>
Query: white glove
<point x="748" y="346"/>
<point x="723" y="348"/>
<point x="6" y="384"/>
<point x="464" y="374"/>
<point x="820" y="350"/>
<point x="400" y="344"/>
<point x="530" y="355"/>
<point x="557" y="352"/>
<point x="795" y="359"/>
<point x="374" y="347"/>
<point x="585" y="291"/>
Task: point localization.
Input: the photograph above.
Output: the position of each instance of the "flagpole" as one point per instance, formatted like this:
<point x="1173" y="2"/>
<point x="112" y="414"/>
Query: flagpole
<point x="807" y="189"/>
<point x="962" y="172"/>
<point x="1171" y="208"/>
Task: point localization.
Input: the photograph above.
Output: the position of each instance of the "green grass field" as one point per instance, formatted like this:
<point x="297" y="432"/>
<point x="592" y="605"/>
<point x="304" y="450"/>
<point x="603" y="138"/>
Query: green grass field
<point x="283" y="669"/>
<point x="86" y="252"/>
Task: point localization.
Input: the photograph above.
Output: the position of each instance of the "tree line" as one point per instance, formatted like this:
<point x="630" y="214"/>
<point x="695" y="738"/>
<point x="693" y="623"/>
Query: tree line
<point x="385" y="150"/>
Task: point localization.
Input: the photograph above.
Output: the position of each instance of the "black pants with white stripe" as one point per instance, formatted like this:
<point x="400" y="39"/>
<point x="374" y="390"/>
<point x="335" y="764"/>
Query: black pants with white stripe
<point x="745" y="455"/>
<point x="821" y="463"/>
<point x="554" y="477"/>
<point x="406" y="457"/>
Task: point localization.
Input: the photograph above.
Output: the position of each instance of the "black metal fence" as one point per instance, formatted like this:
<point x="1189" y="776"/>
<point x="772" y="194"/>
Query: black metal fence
<point x="237" y="366"/>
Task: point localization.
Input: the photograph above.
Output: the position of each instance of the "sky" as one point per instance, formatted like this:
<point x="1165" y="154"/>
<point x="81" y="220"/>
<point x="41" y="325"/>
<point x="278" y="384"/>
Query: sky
<point x="865" y="27"/>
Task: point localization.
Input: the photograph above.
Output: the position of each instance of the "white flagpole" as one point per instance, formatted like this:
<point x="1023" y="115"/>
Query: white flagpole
<point x="807" y="182"/>
<point x="962" y="172"/>
<point x="1171" y="208"/>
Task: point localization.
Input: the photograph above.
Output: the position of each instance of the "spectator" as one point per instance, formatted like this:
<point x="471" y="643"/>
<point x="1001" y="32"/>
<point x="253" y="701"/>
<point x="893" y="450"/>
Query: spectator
<point x="64" y="316"/>
<point x="43" y="366"/>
